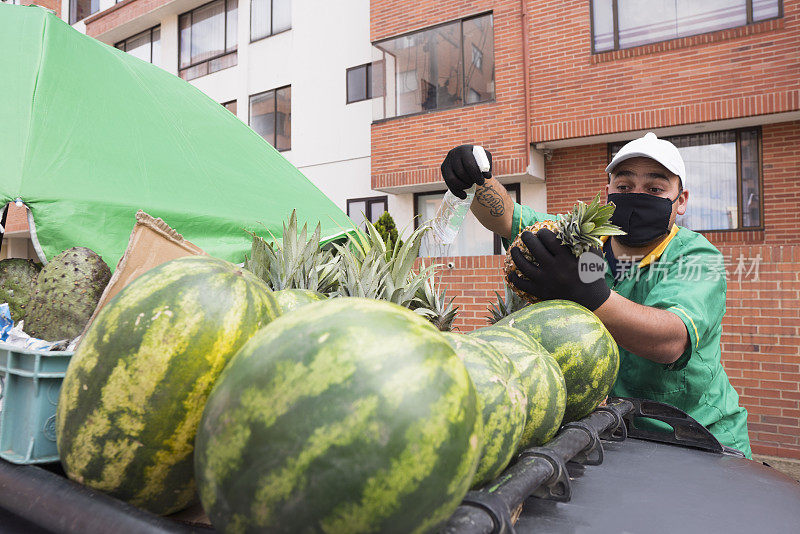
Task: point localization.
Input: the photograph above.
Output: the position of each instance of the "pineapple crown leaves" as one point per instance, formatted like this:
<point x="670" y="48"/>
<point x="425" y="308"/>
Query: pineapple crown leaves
<point x="431" y="302"/>
<point x="505" y="306"/>
<point x="371" y="270"/>
<point x="581" y="230"/>
<point x="360" y="275"/>
<point x="294" y="260"/>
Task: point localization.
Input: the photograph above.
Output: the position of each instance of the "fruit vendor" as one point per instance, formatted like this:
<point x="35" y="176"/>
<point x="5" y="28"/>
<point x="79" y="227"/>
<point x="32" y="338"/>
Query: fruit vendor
<point x="662" y="295"/>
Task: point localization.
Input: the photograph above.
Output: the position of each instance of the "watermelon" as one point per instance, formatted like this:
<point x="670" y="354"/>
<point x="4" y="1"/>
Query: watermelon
<point x="291" y="299"/>
<point x="580" y="343"/>
<point x="134" y="392"/>
<point x="352" y="416"/>
<point x="502" y="399"/>
<point x="541" y="378"/>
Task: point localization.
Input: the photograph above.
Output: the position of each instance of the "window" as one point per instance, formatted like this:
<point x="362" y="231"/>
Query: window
<point x="268" y="17"/>
<point x="620" y="24"/>
<point x="446" y="66"/>
<point x="724" y="179"/>
<point x="369" y="209"/>
<point x="359" y="83"/>
<point x="473" y="239"/>
<point x="207" y="39"/>
<point x="146" y="45"/>
<point x="80" y="9"/>
<point x="271" y="116"/>
<point x="230" y="106"/>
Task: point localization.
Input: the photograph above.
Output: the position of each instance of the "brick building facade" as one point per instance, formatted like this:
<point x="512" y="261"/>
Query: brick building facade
<point x="556" y="97"/>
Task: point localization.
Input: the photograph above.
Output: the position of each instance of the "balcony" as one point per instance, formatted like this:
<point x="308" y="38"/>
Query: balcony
<point x="116" y="22"/>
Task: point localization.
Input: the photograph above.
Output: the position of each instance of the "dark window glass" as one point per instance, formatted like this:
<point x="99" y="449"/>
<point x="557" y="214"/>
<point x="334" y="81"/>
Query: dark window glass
<point x="146" y="45"/>
<point x="207" y="39"/>
<point x="268" y="17"/>
<point x="750" y="193"/>
<point x="723" y="179"/>
<point x="283" y="119"/>
<point x="80" y="9"/>
<point x="369" y="209"/>
<point x="478" y="79"/>
<point x="627" y="23"/>
<point x="271" y="116"/>
<point x="425" y="70"/>
<point x="230" y="106"/>
<point x="359" y="83"/>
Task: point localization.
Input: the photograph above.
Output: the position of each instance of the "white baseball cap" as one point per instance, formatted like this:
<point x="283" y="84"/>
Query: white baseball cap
<point x="652" y="147"/>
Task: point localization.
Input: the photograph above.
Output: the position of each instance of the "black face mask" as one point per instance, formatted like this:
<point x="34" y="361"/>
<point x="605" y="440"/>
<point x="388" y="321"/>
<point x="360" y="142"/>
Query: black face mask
<point x="644" y="217"/>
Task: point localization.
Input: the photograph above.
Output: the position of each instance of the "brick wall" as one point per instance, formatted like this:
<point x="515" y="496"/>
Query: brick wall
<point x="16" y="218"/>
<point x="761" y="343"/>
<point x="119" y="14"/>
<point x="746" y="71"/>
<point x="55" y="5"/>
<point x="577" y="173"/>
<point x="761" y="329"/>
<point x="472" y="281"/>
<point x="409" y="150"/>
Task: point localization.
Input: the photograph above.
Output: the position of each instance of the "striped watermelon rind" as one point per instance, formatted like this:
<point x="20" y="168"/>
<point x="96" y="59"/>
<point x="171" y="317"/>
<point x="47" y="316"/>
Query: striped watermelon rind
<point x="503" y="400"/>
<point x="291" y="299"/>
<point x="134" y="392"/>
<point x="541" y="377"/>
<point x="580" y="343"/>
<point x="354" y="415"/>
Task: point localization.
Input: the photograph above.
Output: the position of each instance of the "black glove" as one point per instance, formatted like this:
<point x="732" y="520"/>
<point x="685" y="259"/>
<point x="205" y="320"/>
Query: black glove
<point x="460" y="170"/>
<point x="558" y="274"/>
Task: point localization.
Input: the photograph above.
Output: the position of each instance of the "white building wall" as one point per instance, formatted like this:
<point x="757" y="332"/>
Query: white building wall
<point x="330" y="138"/>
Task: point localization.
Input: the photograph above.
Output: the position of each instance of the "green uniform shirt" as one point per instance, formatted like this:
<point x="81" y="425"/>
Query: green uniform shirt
<point x="685" y="275"/>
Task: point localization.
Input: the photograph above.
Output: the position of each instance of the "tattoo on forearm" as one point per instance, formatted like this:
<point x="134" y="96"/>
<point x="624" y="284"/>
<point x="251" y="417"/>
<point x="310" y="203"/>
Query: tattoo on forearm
<point x="488" y="197"/>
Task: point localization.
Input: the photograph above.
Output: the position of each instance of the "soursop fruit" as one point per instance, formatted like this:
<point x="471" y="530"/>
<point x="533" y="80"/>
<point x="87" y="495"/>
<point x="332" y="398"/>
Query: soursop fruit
<point x="66" y="293"/>
<point x="17" y="277"/>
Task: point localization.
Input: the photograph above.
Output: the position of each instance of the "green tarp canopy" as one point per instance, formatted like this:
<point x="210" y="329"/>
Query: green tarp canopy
<point x="90" y="135"/>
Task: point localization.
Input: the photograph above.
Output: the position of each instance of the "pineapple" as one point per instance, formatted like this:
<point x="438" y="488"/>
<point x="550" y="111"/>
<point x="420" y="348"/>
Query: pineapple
<point x="293" y="262"/>
<point x="506" y="305"/>
<point x="367" y="269"/>
<point x="580" y="231"/>
<point x="431" y="303"/>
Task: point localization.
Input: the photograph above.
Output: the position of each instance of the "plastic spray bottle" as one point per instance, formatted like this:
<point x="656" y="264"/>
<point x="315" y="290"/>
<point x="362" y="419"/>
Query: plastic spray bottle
<point x="450" y="215"/>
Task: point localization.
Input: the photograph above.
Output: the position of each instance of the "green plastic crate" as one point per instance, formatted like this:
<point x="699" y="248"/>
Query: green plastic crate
<point x="31" y="382"/>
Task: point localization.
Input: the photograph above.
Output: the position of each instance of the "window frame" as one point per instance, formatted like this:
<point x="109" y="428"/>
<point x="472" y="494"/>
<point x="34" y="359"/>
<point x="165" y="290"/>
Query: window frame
<point x="73" y="11"/>
<point x="615" y="24"/>
<point x="739" y="200"/>
<point x="275" y="115"/>
<point x="151" y="30"/>
<point x="210" y="59"/>
<point x="464" y="103"/>
<point x="514" y="190"/>
<point x="368" y="202"/>
<point x="272" y="32"/>
<point x="368" y="81"/>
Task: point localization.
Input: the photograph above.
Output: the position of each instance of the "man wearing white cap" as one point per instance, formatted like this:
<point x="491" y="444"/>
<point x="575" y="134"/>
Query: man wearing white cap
<point x="663" y="296"/>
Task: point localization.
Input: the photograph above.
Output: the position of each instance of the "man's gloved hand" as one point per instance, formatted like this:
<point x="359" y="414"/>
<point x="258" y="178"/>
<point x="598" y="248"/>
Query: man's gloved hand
<point x="460" y="170"/>
<point x="558" y="275"/>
